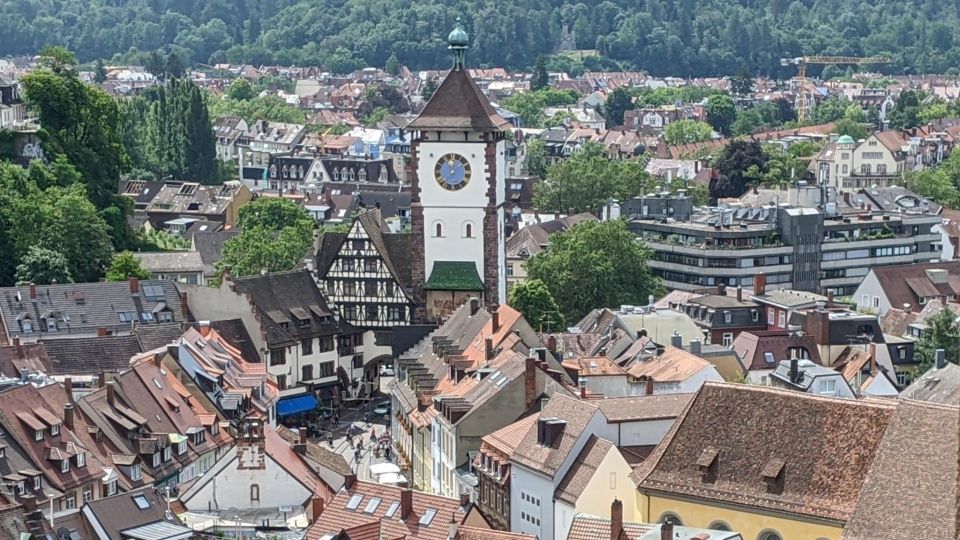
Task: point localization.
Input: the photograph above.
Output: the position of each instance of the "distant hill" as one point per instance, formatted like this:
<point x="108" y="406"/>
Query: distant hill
<point x="663" y="37"/>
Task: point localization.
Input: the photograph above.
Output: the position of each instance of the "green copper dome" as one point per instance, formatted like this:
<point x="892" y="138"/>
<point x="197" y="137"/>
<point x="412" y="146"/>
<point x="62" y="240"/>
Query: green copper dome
<point x="459" y="37"/>
<point x="845" y="139"/>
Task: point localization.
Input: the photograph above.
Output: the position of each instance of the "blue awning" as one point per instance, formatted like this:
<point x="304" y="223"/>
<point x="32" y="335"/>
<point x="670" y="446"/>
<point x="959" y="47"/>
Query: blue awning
<point x="296" y="404"/>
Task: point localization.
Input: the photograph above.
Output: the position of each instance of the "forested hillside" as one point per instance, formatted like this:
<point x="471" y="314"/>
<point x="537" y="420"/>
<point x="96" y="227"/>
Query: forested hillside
<point x="675" y="37"/>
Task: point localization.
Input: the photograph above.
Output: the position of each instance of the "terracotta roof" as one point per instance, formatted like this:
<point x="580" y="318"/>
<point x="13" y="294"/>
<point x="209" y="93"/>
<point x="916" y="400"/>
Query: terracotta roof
<point x="753" y="346"/>
<point x="582" y="470"/>
<point x="891" y="139"/>
<point x="642" y="408"/>
<point x="593" y="366"/>
<point x="547" y="459"/>
<point x="507" y="439"/>
<point x="587" y="527"/>
<point x="673" y="365"/>
<point x="902" y="284"/>
<point x="915" y="465"/>
<point x="827" y="445"/>
<point x="459" y="104"/>
<point x="337" y="516"/>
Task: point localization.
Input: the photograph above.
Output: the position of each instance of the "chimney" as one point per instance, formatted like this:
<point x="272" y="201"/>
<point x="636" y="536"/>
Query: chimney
<point x="941" y="358"/>
<point x="488" y="348"/>
<point x="300" y="446"/>
<point x="552" y="344"/>
<point x="583" y="392"/>
<point x="134" y="285"/>
<point x="15" y="341"/>
<point x="794" y="370"/>
<point x="649" y="388"/>
<point x="204" y="328"/>
<point x="68" y="388"/>
<point x="676" y="340"/>
<point x="616" y="519"/>
<point x="495" y="319"/>
<point x="101" y="379"/>
<point x="759" y="284"/>
<point x="68" y="415"/>
<point x="406" y="503"/>
<point x="185" y="307"/>
<point x="158" y="361"/>
<point x="695" y="347"/>
<point x="33" y="291"/>
<point x="349" y="480"/>
<point x="474" y="305"/>
<point x="29" y="503"/>
<point x="111" y="393"/>
<point x="464" y="499"/>
<point x="908" y="308"/>
<point x="102" y="332"/>
<point x="829" y="299"/>
<point x="739" y="293"/>
<point x="722" y="289"/>
<point x="452" y="527"/>
<point x="530" y="381"/>
<point x="943" y="300"/>
<point x="666" y="531"/>
<point x="317" y="505"/>
<point x="873" y="357"/>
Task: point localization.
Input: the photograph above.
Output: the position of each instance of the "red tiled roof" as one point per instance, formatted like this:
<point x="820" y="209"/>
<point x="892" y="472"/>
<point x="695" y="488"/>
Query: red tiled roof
<point x="587" y="527"/>
<point x="827" y="444"/>
<point x="476" y="533"/>
<point x="673" y="365"/>
<point x="583" y="469"/>
<point x="458" y="103"/>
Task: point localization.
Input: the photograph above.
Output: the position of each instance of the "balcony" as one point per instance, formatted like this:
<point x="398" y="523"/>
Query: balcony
<point x="704" y="250"/>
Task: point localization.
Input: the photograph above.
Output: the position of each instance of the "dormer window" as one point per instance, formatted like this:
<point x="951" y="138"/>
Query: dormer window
<point x="55" y="430"/>
<point x="37" y="482"/>
<point x="135" y="473"/>
<point x="707" y="464"/>
<point x="181" y="447"/>
<point x="81" y="459"/>
<point x="303" y="322"/>
<point x="38" y="435"/>
<point x="772" y="474"/>
<point x="21" y="488"/>
<point x="51" y="324"/>
<point x="26" y="325"/>
<point x="199" y="437"/>
<point x="65" y="466"/>
<point x="167" y="454"/>
<point x="156" y="459"/>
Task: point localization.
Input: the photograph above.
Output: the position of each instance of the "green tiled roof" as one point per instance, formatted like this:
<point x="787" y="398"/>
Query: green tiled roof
<point x="454" y="276"/>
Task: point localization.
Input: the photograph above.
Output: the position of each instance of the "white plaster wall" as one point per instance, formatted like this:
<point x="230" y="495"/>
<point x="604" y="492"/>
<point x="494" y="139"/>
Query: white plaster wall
<point x="881" y="386"/>
<point x="563" y="517"/>
<point x="230" y="488"/>
<point x="524" y="480"/>
<point x="694" y="383"/>
<point x="870" y="286"/>
<point x="609" y="385"/>
<point x="642" y="433"/>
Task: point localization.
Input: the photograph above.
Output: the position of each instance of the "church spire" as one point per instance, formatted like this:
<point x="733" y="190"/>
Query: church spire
<point x="457" y="42"/>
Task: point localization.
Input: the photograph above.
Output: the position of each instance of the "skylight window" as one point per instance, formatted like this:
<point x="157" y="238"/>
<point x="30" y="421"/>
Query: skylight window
<point x="427" y="517"/>
<point x="768" y="357"/>
<point x="153" y="291"/>
<point x="141" y="502"/>
<point x="393" y="508"/>
<point x="354" y="502"/>
<point x="372" y="505"/>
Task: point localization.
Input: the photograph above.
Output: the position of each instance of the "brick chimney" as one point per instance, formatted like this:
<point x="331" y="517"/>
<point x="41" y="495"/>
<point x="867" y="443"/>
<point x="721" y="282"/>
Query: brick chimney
<point x="583" y="392"/>
<point x="316" y="507"/>
<point x="102" y="332"/>
<point x="33" y="291"/>
<point x="488" y="348"/>
<point x="134" y="285"/>
<point x="68" y="388"/>
<point x="759" y="284"/>
<point x="530" y="381"/>
<point x="204" y="328"/>
<point x="495" y="318"/>
<point x="15" y="341"/>
<point x="300" y="446"/>
<point x="616" y="519"/>
<point x="68" y="415"/>
<point x="552" y="343"/>
<point x="829" y="299"/>
<point x="158" y="361"/>
<point x="101" y="379"/>
<point x="666" y="531"/>
<point x="474" y="305"/>
<point x="406" y="503"/>
<point x="349" y="480"/>
<point x="111" y="393"/>
<point x="739" y="293"/>
<point x="649" y="389"/>
<point x="185" y="307"/>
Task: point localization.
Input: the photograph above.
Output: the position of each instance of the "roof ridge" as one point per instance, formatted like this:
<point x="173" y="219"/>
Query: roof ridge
<point x="800" y="395"/>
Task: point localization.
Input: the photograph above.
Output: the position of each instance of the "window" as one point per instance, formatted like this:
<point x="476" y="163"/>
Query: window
<point x="727" y="317"/>
<point x="357" y="361"/>
<point x="719" y="526"/>
<point x="782" y="319"/>
<point x="770" y="316"/>
<point x="727" y="339"/>
<point x="165" y="316"/>
<point x="306" y="373"/>
<point x="167" y="454"/>
<point x="844" y="169"/>
<point x="199" y="438"/>
<point x="69" y="503"/>
<point x="769" y="535"/>
<point x="282" y="382"/>
<point x="65" y="466"/>
<point x="439" y="230"/>
<point x="38" y="435"/>
<point x="88" y="494"/>
<point x="156" y="459"/>
<point x="135" y="473"/>
<point x="181" y="448"/>
<point x="278" y="357"/>
<point x="371" y="313"/>
<point x="51" y="324"/>
<point x="828" y="387"/>
<point x="325" y="344"/>
<point x="349" y="288"/>
<point x="326" y="369"/>
<point x="754" y="315"/>
<point x="865" y="168"/>
<point x="468" y="231"/>
<point x="141" y="502"/>
<point x="302" y="323"/>
<point x="370" y="288"/>
<point x="306" y="346"/>
<point x="255" y="492"/>
<point x="81" y="459"/>
<point x="350" y="312"/>
<point x="671" y="518"/>
<point x="21" y="489"/>
<point x="37" y="482"/>
<point x="370" y="265"/>
<point x="395" y="313"/>
<point x="347" y="264"/>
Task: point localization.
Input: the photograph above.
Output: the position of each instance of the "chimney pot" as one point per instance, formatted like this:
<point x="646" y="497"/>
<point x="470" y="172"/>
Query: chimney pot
<point x="134" y="285"/>
<point x="351" y="479"/>
<point x="759" y="284"/>
<point x="111" y="393"/>
<point x="68" y="415"/>
<point x="204" y="328"/>
<point x="68" y="388"/>
<point x="488" y="347"/>
<point x="33" y="291"/>
<point x="739" y="293"/>
<point x="406" y="503"/>
<point x="16" y="341"/>
<point x="495" y="319"/>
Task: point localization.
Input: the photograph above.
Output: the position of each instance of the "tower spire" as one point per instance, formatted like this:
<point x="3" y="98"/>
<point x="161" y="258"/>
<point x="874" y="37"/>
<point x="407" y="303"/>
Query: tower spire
<point x="458" y="41"/>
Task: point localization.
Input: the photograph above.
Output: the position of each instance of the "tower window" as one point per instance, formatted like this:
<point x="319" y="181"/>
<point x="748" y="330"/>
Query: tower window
<point x="439" y="230"/>
<point x="468" y="231"/>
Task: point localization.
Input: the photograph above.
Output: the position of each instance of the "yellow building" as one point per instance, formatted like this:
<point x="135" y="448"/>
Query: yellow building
<point x="771" y="464"/>
<point x="598" y="476"/>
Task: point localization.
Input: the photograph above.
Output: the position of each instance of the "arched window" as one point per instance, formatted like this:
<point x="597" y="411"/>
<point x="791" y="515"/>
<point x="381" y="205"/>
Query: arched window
<point x="468" y="231"/>
<point x="439" y="230"/>
<point x="670" y="517"/>
<point x="273" y="171"/>
<point x="255" y="492"/>
<point x="362" y="175"/>
<point x="719" y="526"/>
<point x="336" y="174"/>
<point x="769" y="535"/>
<point x="285" y="172"/>
<point x="351" y="175"/>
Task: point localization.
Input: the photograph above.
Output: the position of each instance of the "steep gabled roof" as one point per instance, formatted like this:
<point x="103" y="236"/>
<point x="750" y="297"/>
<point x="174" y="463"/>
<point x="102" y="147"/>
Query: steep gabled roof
<point x="583" y="469"/>
<point x="459" y="104"/>
<point x="821" y="447"/>
<point x="548" y="459"/>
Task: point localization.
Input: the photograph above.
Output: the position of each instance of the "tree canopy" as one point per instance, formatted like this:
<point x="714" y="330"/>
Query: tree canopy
<point x="275" y="235"/>
<point x="593" y="265"/>
<point x="942" y="332"/>
<point x="534" y="301"/>
<point x="125" y="266"/>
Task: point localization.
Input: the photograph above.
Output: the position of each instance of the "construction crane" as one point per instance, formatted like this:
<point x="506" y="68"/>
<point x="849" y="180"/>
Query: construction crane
<point x="802" y="61"/>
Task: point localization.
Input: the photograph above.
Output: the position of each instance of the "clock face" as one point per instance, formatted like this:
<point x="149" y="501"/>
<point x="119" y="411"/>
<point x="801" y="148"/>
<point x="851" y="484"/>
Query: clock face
<point x="452" y="172"/>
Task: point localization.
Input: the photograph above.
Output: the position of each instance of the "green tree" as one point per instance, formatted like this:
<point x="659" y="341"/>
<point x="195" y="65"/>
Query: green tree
<point x="99" y="72"/>
<point x="125" y="266"/>
<point x="258" y="249"/>
<point x="941" y="183"/>
<point x="534" y="301"/>
<point x="43" y="267"/>
<point x="594" y="265"/>
<point x="271" y="108"/>
<point x="175" y="66"/>
<point x="530" y="105"/>
<point x="392" y="66"/>
<point x="942" y="332"/>
<point x="934" y="111"/>
<point x="241" y="90"/>
<point x="57" y="59"/>
<point x="740" y="164"/>
<point x="741" y="84"/>
<point x="429" y="87"/>
<point x="536" y="158"/>
<point x="854" y="129"/>
<point x="721" y="112"/>
<point x="618" y="103"/>
<point x="687" y="131"/>
<point x="585" y="181"/>
<point x="906" y="112"/>
<point x="539" y="79"/>
<point x="272" y="214"/>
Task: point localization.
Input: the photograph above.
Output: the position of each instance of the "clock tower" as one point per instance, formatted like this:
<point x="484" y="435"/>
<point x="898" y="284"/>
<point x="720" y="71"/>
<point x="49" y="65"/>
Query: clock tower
<point x="458" y="169"/>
